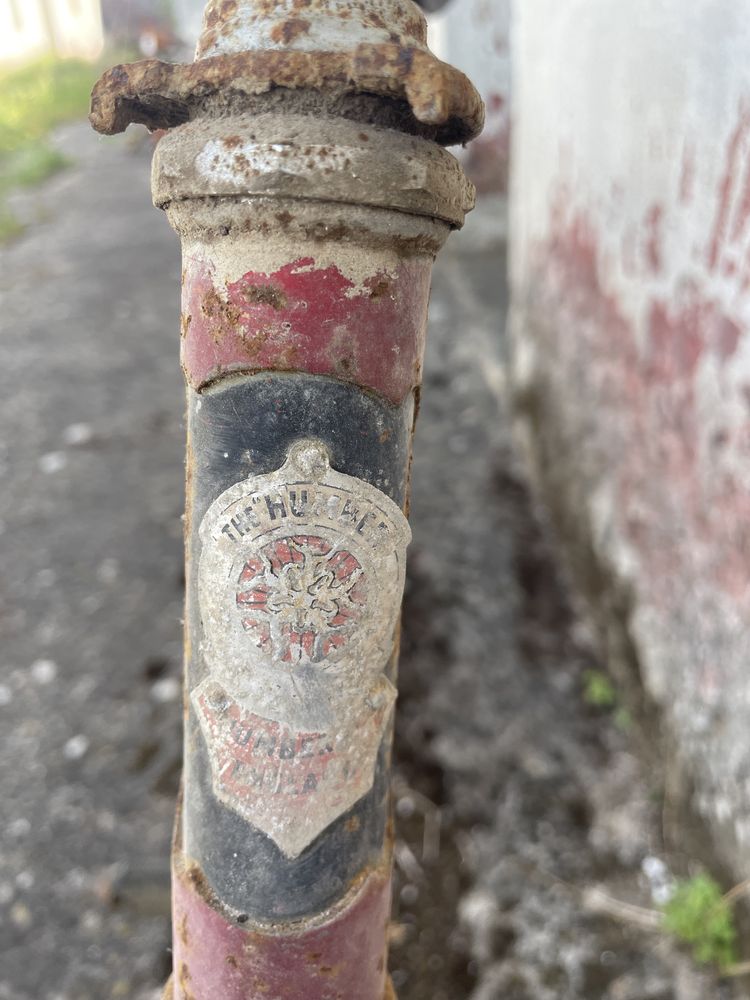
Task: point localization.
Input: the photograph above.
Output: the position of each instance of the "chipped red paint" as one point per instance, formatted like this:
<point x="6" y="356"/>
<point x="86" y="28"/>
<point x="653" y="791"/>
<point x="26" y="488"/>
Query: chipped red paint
<point x="312" y="319"/>
<point x="216" y="958"/>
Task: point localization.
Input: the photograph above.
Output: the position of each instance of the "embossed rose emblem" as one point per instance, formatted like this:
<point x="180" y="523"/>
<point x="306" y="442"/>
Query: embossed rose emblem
<point x="301" y="598"/>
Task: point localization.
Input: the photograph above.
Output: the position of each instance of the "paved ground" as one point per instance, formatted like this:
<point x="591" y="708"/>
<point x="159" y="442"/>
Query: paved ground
<point x="514" y="798"/>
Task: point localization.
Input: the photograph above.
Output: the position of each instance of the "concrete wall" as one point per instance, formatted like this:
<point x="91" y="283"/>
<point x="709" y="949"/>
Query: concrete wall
<point x="474" y="35"/>
<point x="630" y="230"/>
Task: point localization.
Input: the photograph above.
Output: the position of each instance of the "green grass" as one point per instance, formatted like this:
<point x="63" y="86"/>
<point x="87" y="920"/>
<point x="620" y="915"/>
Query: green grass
<point x="33" y="100"/>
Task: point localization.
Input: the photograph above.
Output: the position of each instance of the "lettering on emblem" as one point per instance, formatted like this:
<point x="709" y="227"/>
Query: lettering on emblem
<point x="300" y="582"/>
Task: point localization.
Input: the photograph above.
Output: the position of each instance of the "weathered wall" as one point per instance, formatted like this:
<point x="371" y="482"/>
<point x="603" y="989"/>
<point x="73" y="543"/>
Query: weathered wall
<point x="630" y="227"/>
<point x="188" y="17"/>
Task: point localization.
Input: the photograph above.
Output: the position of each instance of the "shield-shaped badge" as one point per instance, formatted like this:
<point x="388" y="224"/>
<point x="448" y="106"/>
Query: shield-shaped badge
<point x="300" y="583"/>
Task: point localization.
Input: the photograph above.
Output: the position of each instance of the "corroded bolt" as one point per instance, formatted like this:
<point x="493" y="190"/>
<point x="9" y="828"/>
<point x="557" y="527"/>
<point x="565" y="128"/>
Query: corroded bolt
<point x="305" y="172"/>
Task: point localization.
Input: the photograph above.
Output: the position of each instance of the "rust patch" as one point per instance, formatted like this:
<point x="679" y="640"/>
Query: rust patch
<point x="380" y="288"/>
<point x="232" y="961"/>
<point x="222" y="315"/>
<point x="183" y="980"/>
<point x="219" y="11"/>
<point x="286" y="32"/>
<point x="353" y="824"/>
<point x="266" y="295"/>
<point x="183" y="930"/>
<point x="197" y="878"/>
<point x="253" y="343"/>
<point x="330" y="971"/>
<point x="162" y="95"/>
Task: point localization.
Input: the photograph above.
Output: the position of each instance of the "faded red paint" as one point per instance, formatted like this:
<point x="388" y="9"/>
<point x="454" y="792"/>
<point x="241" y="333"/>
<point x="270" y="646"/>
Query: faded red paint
<point x="305" y="318"/>
<point x="218" y="959"/>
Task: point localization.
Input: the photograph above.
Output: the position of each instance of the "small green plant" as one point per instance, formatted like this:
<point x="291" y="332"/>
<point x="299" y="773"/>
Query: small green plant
<point x="623" y="720"/>
<point x="598" y="690"/>
<point x="700" y="915"/>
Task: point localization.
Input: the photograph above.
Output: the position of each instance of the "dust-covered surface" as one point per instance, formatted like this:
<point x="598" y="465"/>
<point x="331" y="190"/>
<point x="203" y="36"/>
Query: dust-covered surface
<point x="91" y="586"/>
<point x="513" y="797"/>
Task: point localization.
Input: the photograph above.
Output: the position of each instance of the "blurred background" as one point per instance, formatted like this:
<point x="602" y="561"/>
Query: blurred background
<point x="572" y="772"/>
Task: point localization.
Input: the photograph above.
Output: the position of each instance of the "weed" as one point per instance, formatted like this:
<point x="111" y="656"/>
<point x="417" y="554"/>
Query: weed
<point x="700" y="915"/>
<point x="598" y="690"/>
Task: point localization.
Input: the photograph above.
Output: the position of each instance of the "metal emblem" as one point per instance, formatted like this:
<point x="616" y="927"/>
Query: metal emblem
<point x="300" y="583"/>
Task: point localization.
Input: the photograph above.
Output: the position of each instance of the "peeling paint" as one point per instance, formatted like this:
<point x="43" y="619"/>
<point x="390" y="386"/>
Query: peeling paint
<point x="309" y="318"/>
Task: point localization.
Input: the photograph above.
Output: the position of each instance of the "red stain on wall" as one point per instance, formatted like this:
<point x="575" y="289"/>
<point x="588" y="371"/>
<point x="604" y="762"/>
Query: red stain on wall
<point x="634" y="404"/>
<point x="732" y="178"/>
<point x="654" y="220"/>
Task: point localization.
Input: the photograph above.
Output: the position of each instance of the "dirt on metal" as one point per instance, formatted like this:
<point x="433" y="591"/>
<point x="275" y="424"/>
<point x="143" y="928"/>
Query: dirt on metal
<point x="306" y="157"/>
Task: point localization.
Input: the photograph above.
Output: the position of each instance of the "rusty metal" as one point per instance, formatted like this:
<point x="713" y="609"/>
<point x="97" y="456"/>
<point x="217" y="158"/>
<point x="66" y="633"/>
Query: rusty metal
<point x="311" y="195"/>
<point x="441" y="100"/>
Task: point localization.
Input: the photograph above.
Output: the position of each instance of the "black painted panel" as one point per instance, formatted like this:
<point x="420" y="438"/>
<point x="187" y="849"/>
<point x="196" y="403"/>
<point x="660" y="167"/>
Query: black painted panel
<point x="244" y="426"/>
